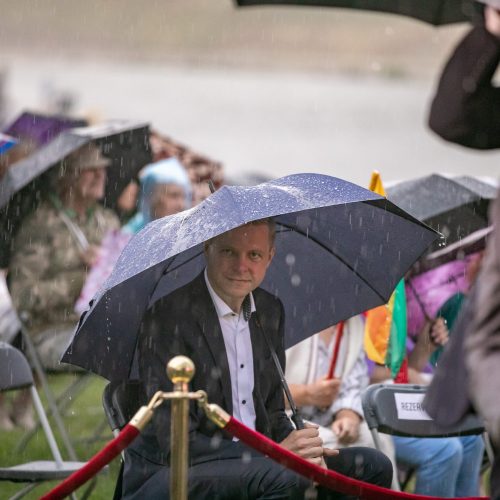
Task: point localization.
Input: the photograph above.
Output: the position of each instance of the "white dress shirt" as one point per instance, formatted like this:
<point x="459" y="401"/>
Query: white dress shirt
<point x="238" y="343"/>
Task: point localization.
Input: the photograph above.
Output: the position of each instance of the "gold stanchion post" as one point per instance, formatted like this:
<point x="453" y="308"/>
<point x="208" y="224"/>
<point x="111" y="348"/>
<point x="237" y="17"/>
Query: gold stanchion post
<point x="180" y="371"/>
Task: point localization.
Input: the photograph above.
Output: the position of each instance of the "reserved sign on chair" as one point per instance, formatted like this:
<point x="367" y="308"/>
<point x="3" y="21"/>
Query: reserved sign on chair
<point x="409" y="406"/>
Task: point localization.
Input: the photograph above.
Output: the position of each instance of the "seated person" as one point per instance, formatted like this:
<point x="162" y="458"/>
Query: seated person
<point x="335" y="404"/>
<point x="218" y="320"/>
<point x="165" y="189"/>
<point x="446" y="467"/>
<point x="54" y="248"/>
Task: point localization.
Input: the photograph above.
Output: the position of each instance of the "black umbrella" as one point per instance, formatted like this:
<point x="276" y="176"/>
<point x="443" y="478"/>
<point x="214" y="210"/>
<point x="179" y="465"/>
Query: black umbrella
<point x="341" y="249"/>
<point x="436" y="12"/>
<point x="126" y="143"/>
<point x="456" y="207"/>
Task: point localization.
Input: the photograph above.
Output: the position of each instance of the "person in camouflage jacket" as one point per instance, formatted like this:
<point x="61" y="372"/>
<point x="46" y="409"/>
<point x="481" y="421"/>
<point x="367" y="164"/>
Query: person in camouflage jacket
<point x="54" y="249"/>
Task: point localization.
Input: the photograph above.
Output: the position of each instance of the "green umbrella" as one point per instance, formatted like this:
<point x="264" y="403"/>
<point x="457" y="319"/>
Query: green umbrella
<point x="436" y="12"/>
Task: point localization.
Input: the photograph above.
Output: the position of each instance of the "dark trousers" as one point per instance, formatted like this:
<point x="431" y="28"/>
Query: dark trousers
<point x="254" y="476"/>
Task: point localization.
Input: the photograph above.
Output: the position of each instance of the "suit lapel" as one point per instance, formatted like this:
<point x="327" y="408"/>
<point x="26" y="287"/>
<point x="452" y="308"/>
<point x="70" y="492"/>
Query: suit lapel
<point x="208" y="322"/>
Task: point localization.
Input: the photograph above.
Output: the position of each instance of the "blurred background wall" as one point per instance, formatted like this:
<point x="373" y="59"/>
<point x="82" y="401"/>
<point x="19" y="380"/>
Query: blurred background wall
<point x="271" y="90"/>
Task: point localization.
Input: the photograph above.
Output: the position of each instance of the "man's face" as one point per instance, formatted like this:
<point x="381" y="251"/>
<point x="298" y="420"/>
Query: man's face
<point x="237" y="262"/>
<point x="91" y="183"/>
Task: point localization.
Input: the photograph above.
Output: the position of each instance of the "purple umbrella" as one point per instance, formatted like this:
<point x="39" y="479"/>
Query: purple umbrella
<point x="41" y="129"/>
<point x="427" y="292"/>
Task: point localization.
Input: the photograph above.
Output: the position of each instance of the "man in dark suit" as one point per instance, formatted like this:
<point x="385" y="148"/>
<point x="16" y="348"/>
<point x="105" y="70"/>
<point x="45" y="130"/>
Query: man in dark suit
<point x="219" y="320"/>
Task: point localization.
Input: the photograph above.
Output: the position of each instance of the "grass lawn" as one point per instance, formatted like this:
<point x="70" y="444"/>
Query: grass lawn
<point x="82" y="418"/>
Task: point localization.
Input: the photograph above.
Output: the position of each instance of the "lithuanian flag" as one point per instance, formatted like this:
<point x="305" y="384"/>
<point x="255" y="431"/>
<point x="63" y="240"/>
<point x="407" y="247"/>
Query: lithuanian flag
<point x="385" y="327"/>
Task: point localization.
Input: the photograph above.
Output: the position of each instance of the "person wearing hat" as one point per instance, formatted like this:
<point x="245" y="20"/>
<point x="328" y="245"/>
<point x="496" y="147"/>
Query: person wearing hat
<point x="54" y="248"/>
<point x="165" y="189"/>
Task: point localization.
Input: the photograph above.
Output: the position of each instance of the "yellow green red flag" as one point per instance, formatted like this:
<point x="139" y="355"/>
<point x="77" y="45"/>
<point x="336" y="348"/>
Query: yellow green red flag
<point x="385" y="327"/>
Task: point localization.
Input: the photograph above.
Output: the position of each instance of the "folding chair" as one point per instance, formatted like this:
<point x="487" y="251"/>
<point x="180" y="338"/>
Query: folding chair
<point x="396" y="409"/>
<point x="15" y="374"/>
<point x="121" y="400"/>
<point x="55" y="405"/>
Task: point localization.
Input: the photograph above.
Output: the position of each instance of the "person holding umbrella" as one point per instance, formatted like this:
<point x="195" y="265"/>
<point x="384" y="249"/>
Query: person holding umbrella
<point x="221" y="319"/>
<point x="54" y="248"/>
<point x="328" y="395"/>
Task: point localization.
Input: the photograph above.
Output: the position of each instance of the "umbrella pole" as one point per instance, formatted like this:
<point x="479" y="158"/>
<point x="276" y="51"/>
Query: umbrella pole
<point x="296" y="418"/>
<point x="180" y="371"/>
<point x="336" y="349"/>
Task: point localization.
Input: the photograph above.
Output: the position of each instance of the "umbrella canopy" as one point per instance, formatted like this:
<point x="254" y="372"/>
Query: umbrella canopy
<point x="456" y="207"/>
<point x="471" y="244"/>
<point x="39" y="128"/>
<point x="124" y="142"/>
<point x="427" y="292"/>
<point x="436" y="12"/>
<point x="439" y="276"/>
<point x="340" y="249"/>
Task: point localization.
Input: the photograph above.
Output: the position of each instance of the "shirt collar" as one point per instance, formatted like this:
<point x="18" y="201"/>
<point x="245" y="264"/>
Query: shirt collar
<point x="223" y="309"/>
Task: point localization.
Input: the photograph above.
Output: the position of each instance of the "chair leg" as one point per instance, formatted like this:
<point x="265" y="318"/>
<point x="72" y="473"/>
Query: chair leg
<point x="488" y="447"/>
<point x="62" y="402"/>
<point x="24" y="491"/>
<point x="378" y="445"/>
<point x="37" y="365"/>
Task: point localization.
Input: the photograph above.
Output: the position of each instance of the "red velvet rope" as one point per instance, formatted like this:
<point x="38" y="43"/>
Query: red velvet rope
<point x="94" y="465"/>
<point x="330" y="479"/>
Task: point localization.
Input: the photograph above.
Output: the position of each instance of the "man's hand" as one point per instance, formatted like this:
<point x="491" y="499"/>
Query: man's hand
<point x="322" y="392"/>
<point x="346" y="426"/>
<point x="307" y="444"/>
<point x="492" y="20"/>
<point x="439" y="332"/>
<point x="90" y="255"/>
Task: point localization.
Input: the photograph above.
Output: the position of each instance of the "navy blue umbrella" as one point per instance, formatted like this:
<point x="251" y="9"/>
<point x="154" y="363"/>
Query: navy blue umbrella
<point x="340" y="249"/>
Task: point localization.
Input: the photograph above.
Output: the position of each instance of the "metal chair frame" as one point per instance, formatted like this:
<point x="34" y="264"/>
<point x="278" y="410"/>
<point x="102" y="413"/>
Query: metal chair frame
<point x="383" y="414"/>
<point x="15" y="374"/>
<point x="120" y="401"/>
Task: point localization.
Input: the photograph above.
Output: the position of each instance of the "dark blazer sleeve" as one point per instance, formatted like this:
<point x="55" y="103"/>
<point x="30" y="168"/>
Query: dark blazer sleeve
<point x="466" y="107"/>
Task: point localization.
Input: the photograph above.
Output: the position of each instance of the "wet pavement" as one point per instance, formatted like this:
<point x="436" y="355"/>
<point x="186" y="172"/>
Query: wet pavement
<point x="274" y="123"/>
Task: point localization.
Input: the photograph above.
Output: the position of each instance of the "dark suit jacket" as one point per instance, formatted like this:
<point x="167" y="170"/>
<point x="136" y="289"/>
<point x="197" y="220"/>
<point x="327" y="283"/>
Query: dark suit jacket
<point x="185" y="322"/>
<point x="466" y="107"/>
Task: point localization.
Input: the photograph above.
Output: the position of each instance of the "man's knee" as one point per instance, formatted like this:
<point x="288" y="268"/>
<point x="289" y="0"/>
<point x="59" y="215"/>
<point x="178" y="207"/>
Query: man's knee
<point x="365" y="464"/>
<point x="278" y="482"/>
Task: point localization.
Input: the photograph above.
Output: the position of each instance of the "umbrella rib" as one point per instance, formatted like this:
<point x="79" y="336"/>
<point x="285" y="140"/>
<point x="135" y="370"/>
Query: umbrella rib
<point x="341" y="259"/>
<point x="168" y="270"/>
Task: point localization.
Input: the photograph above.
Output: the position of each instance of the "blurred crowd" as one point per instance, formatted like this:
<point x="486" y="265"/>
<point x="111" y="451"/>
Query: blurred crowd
<point x="65" y="248"/>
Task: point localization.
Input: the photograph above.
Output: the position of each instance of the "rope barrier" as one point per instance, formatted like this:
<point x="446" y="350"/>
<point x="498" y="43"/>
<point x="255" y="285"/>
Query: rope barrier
<point x="330" y="479"/>
<point x="93" y="466"/>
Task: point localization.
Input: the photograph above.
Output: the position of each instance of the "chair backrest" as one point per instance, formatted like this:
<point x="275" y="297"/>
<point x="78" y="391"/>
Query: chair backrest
<point x="121" y="400"/>
<point x="15" y="371"/>
<point x="397" y="409"/>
